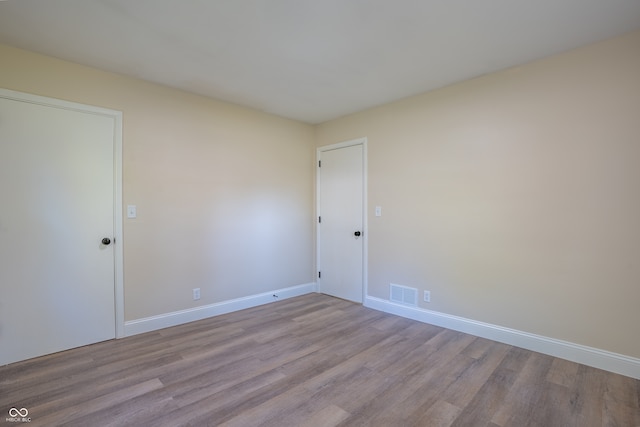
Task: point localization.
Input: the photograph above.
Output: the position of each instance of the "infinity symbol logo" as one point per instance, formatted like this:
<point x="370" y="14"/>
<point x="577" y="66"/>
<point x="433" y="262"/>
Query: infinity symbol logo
<point x="23" y="412"/>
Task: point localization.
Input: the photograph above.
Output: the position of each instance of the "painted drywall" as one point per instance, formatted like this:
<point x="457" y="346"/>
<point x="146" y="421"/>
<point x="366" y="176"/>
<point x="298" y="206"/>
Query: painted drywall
<point x="224" y="194"/>
<point x="514" y="197"/>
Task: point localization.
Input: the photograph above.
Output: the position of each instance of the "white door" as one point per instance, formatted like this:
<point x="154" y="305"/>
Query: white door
<point x="341" y="221"/>
<point x="57" y="279"/>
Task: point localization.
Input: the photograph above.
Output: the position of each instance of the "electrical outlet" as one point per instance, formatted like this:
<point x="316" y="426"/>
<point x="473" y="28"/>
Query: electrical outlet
<point x="427" y="296"/>
<point x="196" y="294"/>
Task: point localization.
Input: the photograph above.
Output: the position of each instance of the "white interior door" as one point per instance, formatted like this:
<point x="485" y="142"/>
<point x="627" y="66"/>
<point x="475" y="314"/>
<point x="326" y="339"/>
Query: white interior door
<point x="341" y="221"/>
<point x="57" y="280"/>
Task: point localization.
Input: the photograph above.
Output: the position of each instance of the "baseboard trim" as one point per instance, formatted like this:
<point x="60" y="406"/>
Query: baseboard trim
<point x="153" y="323"/>
<point x="589" y="356"/>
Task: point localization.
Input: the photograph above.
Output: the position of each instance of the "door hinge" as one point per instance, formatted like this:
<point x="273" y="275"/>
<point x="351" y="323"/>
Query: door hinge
<point x="319" y="163"/>
<point x="319" y="219"/>
<point x="319" y="274"/>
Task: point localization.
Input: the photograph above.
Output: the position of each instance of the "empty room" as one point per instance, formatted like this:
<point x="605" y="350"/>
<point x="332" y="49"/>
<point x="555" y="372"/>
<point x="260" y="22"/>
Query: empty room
<point x="329" y="213"/>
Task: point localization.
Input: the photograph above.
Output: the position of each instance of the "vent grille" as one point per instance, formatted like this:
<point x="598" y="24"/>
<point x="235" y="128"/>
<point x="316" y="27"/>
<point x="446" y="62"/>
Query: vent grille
<point x="403" y="294"/>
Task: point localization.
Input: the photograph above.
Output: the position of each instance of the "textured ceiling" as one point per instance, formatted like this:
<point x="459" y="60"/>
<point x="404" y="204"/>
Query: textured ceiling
<point x="309" y="60"/>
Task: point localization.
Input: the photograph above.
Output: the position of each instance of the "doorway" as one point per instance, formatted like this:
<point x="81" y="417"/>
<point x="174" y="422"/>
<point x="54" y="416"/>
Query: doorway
<point x="342" y="222"/>
<point x="61" y="283"/>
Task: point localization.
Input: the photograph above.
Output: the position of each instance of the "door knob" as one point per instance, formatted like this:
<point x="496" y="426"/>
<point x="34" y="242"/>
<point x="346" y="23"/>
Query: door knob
<point x="357" y="234"/>
<point x="106" y="241"/>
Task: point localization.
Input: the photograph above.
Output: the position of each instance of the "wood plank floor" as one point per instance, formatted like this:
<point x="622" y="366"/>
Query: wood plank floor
<point x="313" y="361"/>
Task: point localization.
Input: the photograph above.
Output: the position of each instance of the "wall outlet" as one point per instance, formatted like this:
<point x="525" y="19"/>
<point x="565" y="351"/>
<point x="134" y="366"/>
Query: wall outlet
<point x="427" y="296"/>
<point x="196" y="294"/>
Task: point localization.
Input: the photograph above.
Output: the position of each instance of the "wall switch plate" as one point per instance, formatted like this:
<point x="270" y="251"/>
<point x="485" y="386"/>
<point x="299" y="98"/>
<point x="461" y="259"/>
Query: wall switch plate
<point x="196" y="294"/>
<point x="132" y="211"/>
<point x="427" y="296"/>
<point x="378" y="210"/>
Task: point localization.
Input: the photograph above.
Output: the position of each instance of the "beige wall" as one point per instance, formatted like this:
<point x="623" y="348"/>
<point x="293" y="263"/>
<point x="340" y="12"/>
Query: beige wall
<point x="224" y="193"/>
<point x="515" y="197"/>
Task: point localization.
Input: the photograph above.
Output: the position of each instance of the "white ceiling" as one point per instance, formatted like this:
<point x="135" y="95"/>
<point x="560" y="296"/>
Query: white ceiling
<point x="309" y="60"/>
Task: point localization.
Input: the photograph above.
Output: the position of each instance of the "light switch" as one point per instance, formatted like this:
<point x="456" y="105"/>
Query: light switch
<point x="378" y="211"/>
<point x="132" y="212"/>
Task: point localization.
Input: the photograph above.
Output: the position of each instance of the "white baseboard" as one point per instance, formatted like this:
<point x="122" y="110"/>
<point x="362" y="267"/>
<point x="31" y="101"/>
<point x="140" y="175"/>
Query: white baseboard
<point x="589" y="356"/>
<point x="153" y="323"/>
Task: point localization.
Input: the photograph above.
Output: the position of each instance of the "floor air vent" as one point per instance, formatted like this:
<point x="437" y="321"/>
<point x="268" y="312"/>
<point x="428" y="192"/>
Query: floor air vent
<point x="403" y="294"/>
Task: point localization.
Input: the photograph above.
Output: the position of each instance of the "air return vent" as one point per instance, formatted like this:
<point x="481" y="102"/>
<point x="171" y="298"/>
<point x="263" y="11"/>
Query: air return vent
<point x="403" y="294"/>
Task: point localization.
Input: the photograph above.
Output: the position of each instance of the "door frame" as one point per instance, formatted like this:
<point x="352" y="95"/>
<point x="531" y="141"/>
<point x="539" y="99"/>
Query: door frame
<point x="118" y="241"/>
<point x="365" y="228"/>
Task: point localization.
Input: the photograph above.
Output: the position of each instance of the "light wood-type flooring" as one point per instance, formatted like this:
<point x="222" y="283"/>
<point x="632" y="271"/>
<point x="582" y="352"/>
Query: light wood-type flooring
<point x="313" y="360"/>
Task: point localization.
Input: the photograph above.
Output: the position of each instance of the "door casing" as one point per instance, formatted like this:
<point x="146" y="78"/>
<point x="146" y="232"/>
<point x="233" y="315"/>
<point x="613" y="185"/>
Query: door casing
<point x="363" y="142"/>
<point x="117" y="186"/>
